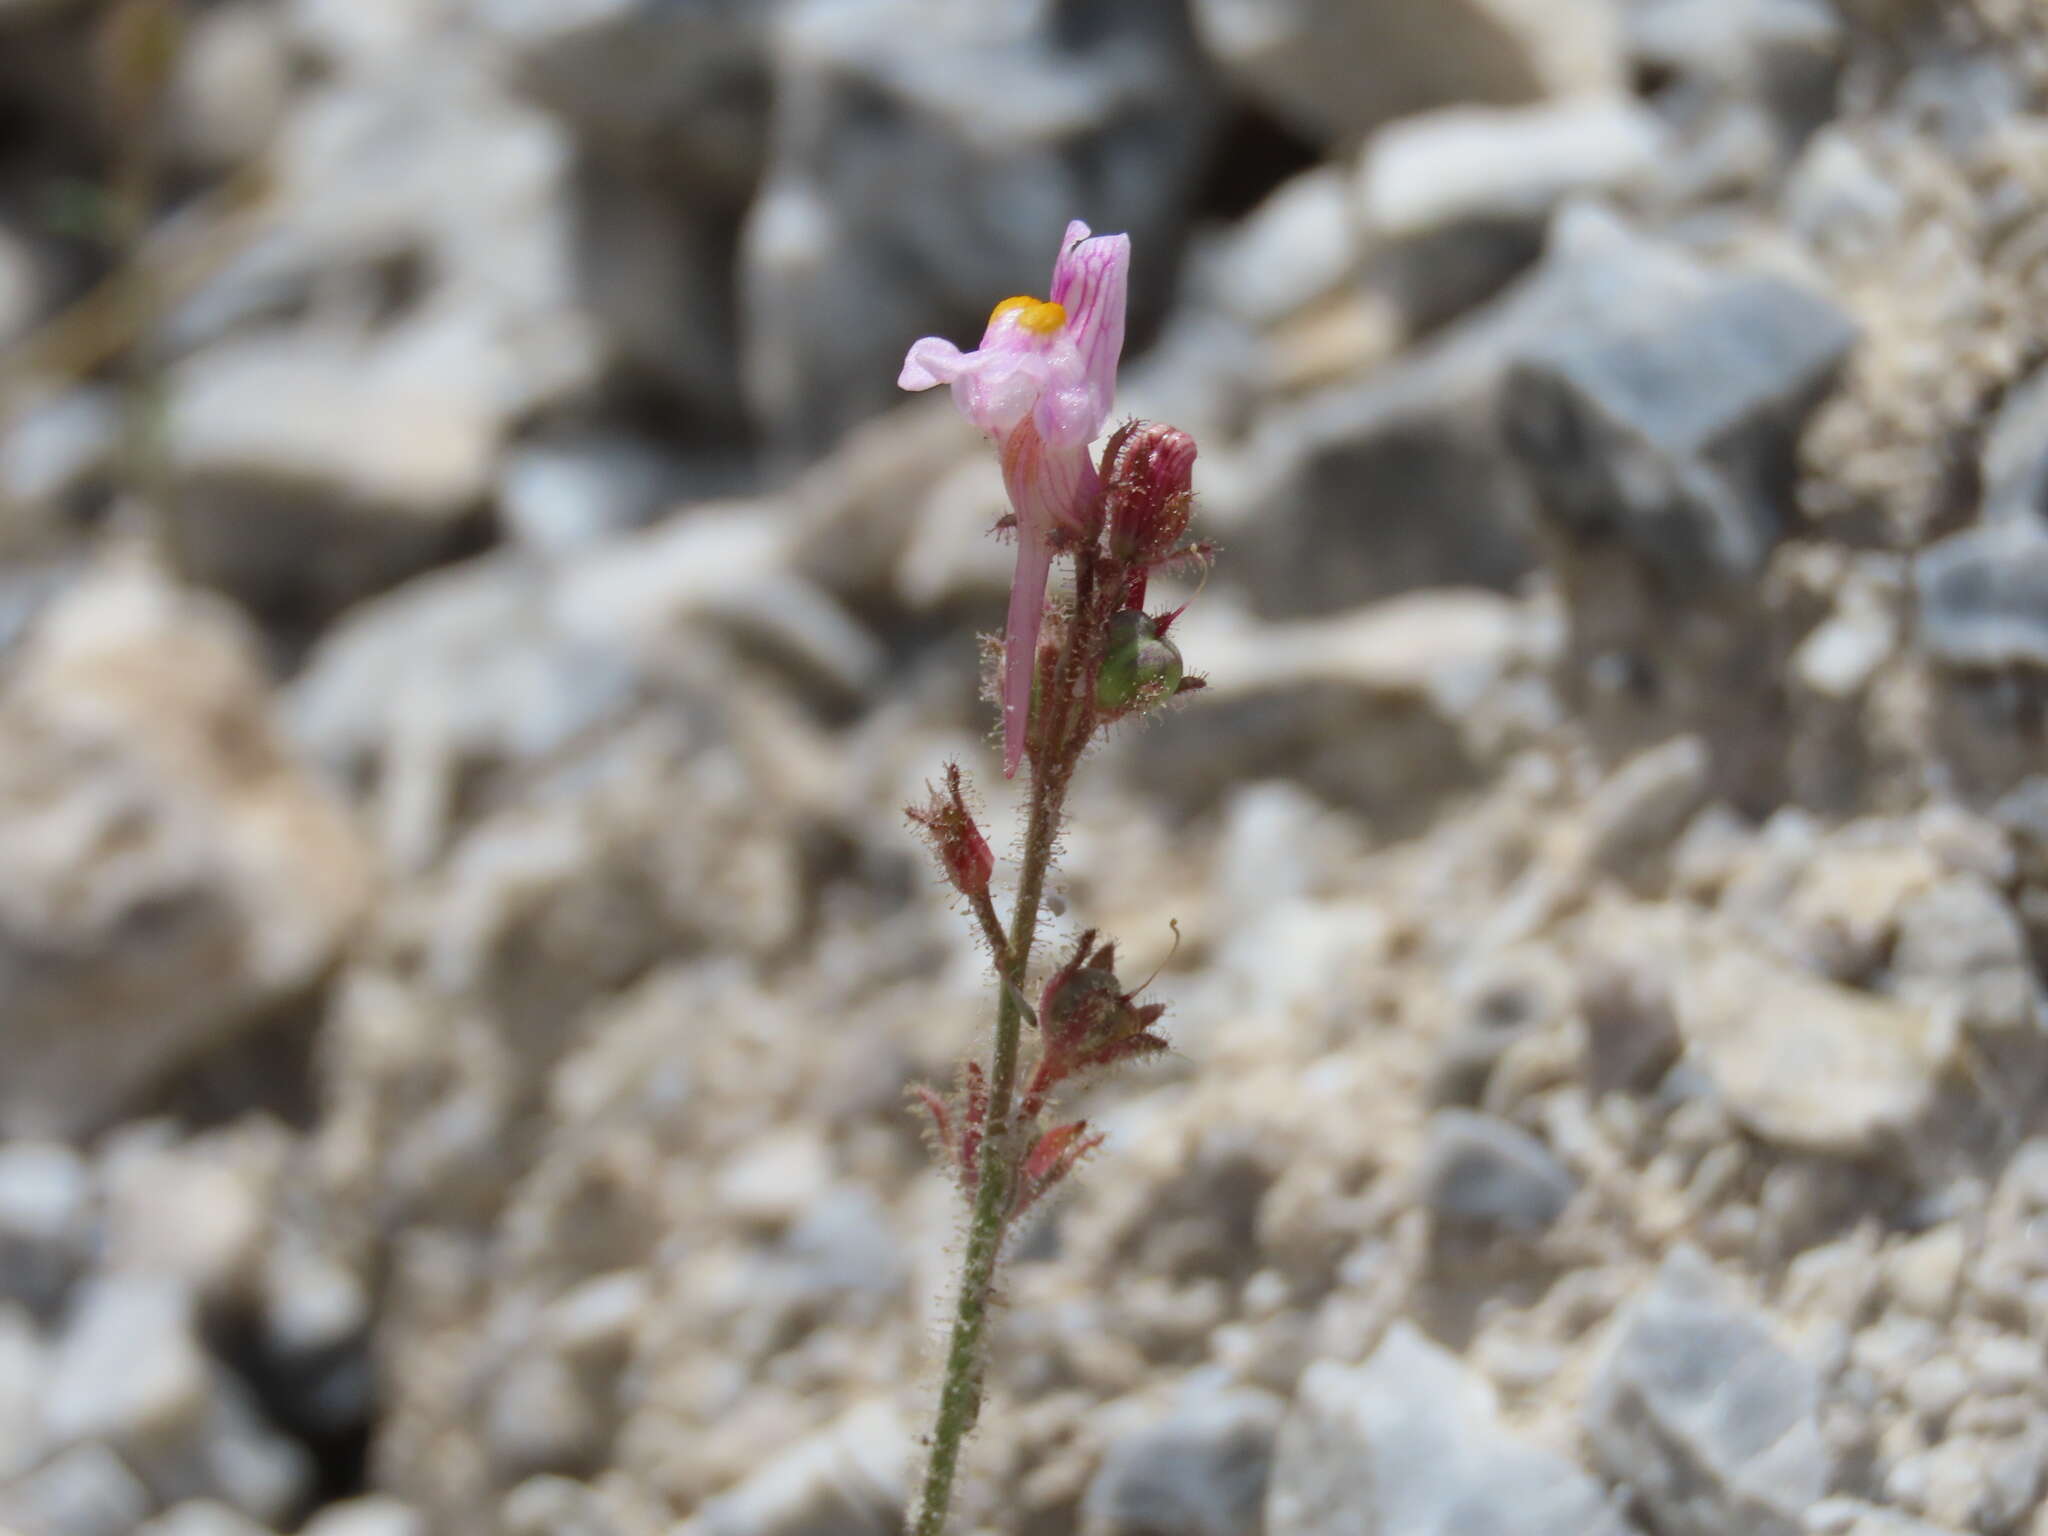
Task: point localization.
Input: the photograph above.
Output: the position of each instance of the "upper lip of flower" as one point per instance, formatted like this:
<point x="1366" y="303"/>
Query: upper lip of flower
<point x="1053" y="359"/>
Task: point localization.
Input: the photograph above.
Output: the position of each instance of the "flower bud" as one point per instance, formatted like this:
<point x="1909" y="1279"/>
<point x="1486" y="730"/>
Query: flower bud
<point x="1148" y="475"/>
<point x="1086" y="1014"/>
<point x="1140" y="666"/>
<point x="963" y="853"/>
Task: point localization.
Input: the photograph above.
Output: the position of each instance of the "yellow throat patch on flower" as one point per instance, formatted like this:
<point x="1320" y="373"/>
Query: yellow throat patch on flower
<point x="1038" y="316"/>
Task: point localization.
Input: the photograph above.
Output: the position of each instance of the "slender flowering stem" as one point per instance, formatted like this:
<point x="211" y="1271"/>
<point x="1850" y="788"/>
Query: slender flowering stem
<point x="960" y="1391"/>
<point x="1040" y="385"/>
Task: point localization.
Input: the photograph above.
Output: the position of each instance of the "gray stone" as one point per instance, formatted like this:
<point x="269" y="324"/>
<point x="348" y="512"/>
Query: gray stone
<point x="84" y="1491"/>
<point x="848" y="1478"/>
<point x="1379" y="487"/>
<point x="1805" y="1062"/>
<point x="356" y="37"/>
<point x="311" y="471"/>
<point x="728" y="569"/>
<point x="1454" y="203"/>
<point x="128" y="1371"/>
<point x="46" y="1220"/>
<point x="1665" y="414"/>
<point x="232" y="83"/>
<point x="416" y="213"/>
<point x="198" y="1211"/>
<point x="1839" y="199"/>
<point x="564" y="494"/>
<point x="1308" y="59"/>
<point x="1483" y="1169"/>
<point x="1294" y="248"/>
<point x="1700" y="1411"/>
<point x="416" y="235"/>
<point x="1983" y="596"/>
<point x="22" y="1368"/>
<point x="459" y="672"/>
<point x="372" y="1515"/>
<point x="2014" y="461"/>
<point x="656" y="254"/>
<point x="1503" y="998"/>
<point x="1639" y="812"/>
<point x="1962" y="948"/>
<point x="172" y="873"/>
<point x="1410" y="1444"/>
<point x="539" y="1417"/>
<point x="1853" y="1517"/>
<point x="1625" y="998"/>
<point x="1201" y="1470"/>
<point x="1785" y="54"/>
<point x="1367" y="712"/>
<point x="22" y="286"/>
<point x="842" y="1247"/>
<point x="128" y="1368"/>
<point x="52" y="448"/>
<point x="1980" y="597"/>
<point x="202" y="1517"/>
<point x="687" y="81"/>
<point x="239" y="1459"/>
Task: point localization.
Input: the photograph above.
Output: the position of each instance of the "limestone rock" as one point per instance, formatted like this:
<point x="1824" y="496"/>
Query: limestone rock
<point x="185" y="877"/>
<point x="202" y="1517"/>
<point x="129" y="1371"/>
<point x="1483" y="1169"/>
<point x="1640" y="810"/>
<point x="54" y="448"/>
<point x="1411" y="676"/>
<point x="850" y="1477"/>
<point x="1410" y="1444"/>
<point x="1665" y="416"/>
<point x="1293" y="249"/>
<point x="1961" y="948"/>
<point x="47" y="1220"/>
<point x="84" y="1491"/>
<point x="568" y="492"/>
<point x="1803" y="1062"/>
<point x="1376" y="487"/>
<point x="1785" y="53"/>
<point x="1981" y="596"/>
<point x="1338" y="70"/>
<point x="458" y="673"/>
<point x="311" y="474"/>
<point x="1704" y="1415"/>
<point x="1201" y="1470"/>
<point x="1453" y="203"/>
<point x="22" y="1368"/>
<point x="371" y="1515"/>
<point x="1853" y="1517"/>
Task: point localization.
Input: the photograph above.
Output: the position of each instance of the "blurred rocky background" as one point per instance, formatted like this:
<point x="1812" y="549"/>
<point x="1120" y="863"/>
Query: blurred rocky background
<point x="473" y="604"/>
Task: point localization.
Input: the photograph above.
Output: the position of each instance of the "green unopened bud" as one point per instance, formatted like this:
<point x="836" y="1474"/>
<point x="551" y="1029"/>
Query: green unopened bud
<point x="1140" y="666"/>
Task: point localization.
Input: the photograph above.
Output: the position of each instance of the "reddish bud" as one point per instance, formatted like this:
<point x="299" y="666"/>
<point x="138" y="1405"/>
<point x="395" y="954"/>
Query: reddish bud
<point x="942" y="1117"/>
<point x="958" y="1127"/>
<point x="1051" y="1158"/>
<point x="963" y="853"/>
<point x="1148" y="476"/>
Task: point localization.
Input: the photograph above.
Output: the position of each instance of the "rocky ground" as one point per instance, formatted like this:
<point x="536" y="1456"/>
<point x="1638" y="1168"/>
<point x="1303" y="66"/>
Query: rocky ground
<point x="472" y="607"/>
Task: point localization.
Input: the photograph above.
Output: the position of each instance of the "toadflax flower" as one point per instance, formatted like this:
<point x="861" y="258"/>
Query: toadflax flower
<point x="1040" y="384"/>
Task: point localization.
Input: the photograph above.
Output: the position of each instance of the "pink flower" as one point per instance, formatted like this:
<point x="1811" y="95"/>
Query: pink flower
<point x="1040" y="384"/>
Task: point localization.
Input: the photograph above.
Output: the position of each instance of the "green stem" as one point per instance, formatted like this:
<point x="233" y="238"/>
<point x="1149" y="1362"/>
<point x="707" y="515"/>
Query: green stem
<point x="960" y="1391"/>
